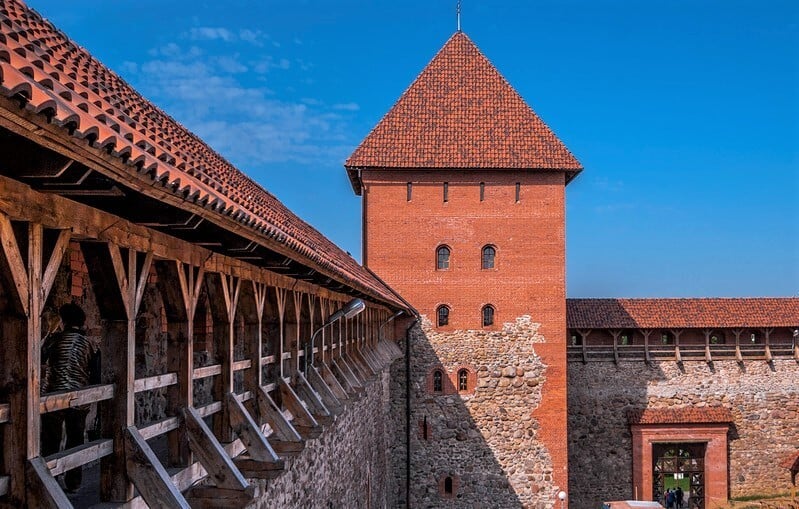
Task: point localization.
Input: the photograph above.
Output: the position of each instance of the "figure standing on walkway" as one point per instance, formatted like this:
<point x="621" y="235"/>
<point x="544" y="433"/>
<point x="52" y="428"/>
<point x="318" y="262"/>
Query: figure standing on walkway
<point x="69" y="356"/>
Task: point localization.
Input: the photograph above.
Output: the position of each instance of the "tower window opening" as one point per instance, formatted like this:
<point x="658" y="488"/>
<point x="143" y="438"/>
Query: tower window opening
<point x="489" y="253"/>
<point x="442" y="258"/>
<point x="448" y="485"/>
<point x="518" y="192"/>
<point x="438" y="383"/>
<point x="482" y="191"/>
<point x="488" y="315"/>
<point x="443" y="315"/>
<point x="463" y="380"/>
<point x="446" y="191"/>
<point x="409" y="191"/>
<point x="425" y="429"/>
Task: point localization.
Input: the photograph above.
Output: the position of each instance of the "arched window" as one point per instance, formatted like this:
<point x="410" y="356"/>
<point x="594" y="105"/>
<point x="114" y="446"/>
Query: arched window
<point x="442" y="258"/>
<point x="448" y="485"/>
<point x="463" y="380"/>
<point x="488" y="315"/>
<point x="438" y="381"/>
<point x="489" y="253"/>
<point x="443" y="315"/>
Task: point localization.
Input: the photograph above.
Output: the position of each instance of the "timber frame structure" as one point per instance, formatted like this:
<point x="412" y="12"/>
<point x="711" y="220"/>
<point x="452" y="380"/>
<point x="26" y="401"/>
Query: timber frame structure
<point x="89" y="167"/>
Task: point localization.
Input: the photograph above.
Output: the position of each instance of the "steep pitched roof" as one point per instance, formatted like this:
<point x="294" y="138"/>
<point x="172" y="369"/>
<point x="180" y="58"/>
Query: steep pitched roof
<point x="62" y="84"/>
<point x="461" y="113"/>
<point x="681" y="313"/>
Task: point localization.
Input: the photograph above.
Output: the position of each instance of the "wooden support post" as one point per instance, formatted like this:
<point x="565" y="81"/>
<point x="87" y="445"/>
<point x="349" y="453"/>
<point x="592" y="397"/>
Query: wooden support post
<point x="677" y="355"/>
<point x="647" y="357"/>
<point x="584" y="341"/>
<point x="253" y="376"/>
<point x="615" y="334"/>
<point x="211" y="455"/>
<point x="43" y="491"/>
<point x="148" y="475"/>
<point x="737" y="333"/>
<point x="295" y="332"/>
<point x="120" y="289"/>
<point x="305" y="423"/>
<point x="223" y="297"/>
<point x="261" y="461"/>
<point x="338" y="390"/>
<point x="313" y="401"/>
<point x="284" y="439"/>
<point x="280" y="295"/>
<point x="180" y="285"/>
<point x="327" y="395"/>
<point x="767" y="338"/>
<point x="708" y="355"/>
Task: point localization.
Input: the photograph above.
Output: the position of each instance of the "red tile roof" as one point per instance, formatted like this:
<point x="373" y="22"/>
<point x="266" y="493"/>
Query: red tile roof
<point x="461" y="113"/>
<point x="681" y="313"/>
<point x="60" y="81"/>
<point x="791" y="462"/>
<point x="705" y="415"/>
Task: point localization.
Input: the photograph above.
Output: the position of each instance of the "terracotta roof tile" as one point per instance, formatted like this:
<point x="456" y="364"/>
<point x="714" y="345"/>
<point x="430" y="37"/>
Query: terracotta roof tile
<point x="687" y="415"/>
<point x="681" y="313"/>
<point x="461" y="113"/>
<point x="52" y="76"/>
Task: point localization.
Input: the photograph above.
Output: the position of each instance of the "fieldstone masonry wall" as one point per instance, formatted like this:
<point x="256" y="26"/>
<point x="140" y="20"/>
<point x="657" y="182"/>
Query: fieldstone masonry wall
<point x="763" y="399"/>
<point x="486" y="440"/>
<point x="345" y="467"/>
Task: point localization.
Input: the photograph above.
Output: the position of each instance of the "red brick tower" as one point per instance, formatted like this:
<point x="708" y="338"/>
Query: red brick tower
<point x="463" y="204"/>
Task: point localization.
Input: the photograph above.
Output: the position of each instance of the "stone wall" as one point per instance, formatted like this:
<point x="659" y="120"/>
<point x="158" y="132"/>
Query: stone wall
<point x="763" y="399"/>
<point x="486" y="439"/>
<point x="345" y="467"/>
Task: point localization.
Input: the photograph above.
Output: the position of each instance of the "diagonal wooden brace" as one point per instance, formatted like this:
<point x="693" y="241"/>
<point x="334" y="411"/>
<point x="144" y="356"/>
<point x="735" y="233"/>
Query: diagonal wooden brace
<point x="148" y="474"/>
<point x="284" y="438"/>
<point x="311" y="399"/>
<point x="324" y="391"/>
<point x="304" y="422"/>
<point x="210" y="453"/>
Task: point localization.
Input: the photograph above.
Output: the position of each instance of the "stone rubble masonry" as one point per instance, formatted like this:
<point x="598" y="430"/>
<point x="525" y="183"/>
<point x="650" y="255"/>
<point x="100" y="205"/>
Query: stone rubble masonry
<point x="763" y="399"/>
<point x="345" y="467"/>
<point x="488" y="441"/>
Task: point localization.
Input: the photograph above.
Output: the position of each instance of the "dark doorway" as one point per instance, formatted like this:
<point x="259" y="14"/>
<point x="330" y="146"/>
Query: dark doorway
<point x="683" y="465"/>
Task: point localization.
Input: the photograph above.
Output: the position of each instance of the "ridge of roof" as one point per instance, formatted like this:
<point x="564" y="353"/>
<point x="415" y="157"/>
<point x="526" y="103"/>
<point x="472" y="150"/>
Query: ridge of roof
<point x="62" y="83"/>
<point x="702" y="312"/>
<point x="460" y="112"/>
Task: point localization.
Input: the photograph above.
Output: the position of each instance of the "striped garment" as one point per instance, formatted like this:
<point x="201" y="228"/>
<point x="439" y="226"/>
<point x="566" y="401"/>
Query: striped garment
<point x="67" y="355"/>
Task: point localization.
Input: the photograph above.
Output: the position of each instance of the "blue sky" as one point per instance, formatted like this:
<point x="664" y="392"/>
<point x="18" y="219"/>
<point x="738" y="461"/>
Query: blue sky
<point x="684" y="114"/>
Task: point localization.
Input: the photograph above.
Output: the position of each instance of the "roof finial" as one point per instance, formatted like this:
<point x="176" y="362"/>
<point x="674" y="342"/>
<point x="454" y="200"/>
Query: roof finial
<point x="459" y="15"/>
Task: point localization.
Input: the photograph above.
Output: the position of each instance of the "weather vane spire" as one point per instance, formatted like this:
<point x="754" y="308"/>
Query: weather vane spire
<point x="459" y="15"/>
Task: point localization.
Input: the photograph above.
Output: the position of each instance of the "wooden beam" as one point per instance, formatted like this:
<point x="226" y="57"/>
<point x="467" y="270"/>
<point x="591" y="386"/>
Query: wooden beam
<point x="149" y="475"/>
<point x="311" y="399"/>
<point x="340" y="391"/>
<point x="78" y="456"/>
<point x="321" y="388"/>
<point x="211" y="455"/>
<point x="18" y="271"/>
<point x="70" y="399"/>
<point x="61" y="245"/>
<point x="155" y="382"/>
<point x="249" y="432"/>
<point x="43" y="489"/>
<point x="5" y="482"/>
<point x="160" y="427"/>
<point x="284" y="436"/>
<point x="305" y="423"/>
<point x="206" y="371"/>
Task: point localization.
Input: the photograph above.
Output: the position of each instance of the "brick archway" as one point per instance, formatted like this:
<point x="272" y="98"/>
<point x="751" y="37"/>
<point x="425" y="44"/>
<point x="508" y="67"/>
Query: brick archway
<point x="708" y="426"/>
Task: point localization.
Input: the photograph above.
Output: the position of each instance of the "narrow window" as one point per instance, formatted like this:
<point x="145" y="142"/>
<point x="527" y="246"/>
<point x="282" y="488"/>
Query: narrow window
<point x="443" y="315"/>
<point x="518" y="192"/>
<point x="624" y="339"/>
<point x="438" y="381"/>
<point x="753" y="337"/>
<point x="488" y="315"/>
<point x="488" y="257"/>
<point x="463" y="380"/>
<point x="425" y="431"/>
<point x="409" y="191"/>
<point x="482" y="191"/>
<point x="442" y="258"/>
<point x="446" y="191"/>
<point x="448" y="485"/>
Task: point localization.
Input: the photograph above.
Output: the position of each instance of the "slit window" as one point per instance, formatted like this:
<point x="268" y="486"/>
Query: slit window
<point x="489" y="253"/>
<point x="443" y="315"/>
<point x="409" y="191"/>
<point x="446" y="191"/>
<point x="448" y="485"/>
<point x="463" y="380"/>
<point x="442" y="258"/>
<point x="482" y="191"/>
<point x="518" y="192"/>
<point x="438" y="382"/>
<point x="488" y="315"/>
<point x="425" y="429"/>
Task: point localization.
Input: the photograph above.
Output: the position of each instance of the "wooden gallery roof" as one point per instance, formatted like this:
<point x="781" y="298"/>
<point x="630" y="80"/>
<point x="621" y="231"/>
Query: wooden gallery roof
<point x="73" y="125"/>
<point x="706" y="313"/>
<point x="461" y="113"/>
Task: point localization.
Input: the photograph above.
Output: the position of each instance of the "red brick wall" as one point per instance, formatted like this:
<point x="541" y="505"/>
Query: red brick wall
<point x="400" y="238"/>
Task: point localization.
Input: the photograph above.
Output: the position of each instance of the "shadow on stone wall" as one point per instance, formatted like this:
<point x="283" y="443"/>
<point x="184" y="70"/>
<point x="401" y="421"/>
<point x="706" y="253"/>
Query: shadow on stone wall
<point x="485" y="438"/>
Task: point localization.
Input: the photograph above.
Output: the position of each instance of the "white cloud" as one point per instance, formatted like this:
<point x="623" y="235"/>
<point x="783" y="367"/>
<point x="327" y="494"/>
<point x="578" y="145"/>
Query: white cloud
<point x="346" y="107"/>
<point x="211" y="34"/>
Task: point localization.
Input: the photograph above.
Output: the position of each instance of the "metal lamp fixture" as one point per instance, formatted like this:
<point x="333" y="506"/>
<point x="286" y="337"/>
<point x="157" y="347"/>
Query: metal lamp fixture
<point x="562" y="498"/>
<point x="349" y="310"/>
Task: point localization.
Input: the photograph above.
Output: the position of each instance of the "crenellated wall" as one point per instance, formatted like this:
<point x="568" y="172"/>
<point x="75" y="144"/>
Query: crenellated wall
<point x="763" y="399"/>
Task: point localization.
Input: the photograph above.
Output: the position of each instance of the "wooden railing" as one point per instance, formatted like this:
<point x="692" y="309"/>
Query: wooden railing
<point x="682" y="352"/>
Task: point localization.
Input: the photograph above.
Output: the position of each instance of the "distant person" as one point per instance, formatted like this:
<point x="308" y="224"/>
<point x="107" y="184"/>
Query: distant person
<point x="678" y="495"/>
<point x="669" y="499"/>
<point x="72" y="364"/>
